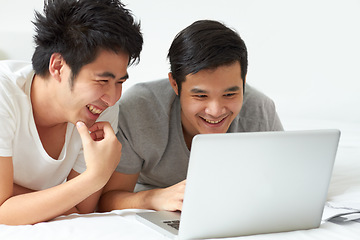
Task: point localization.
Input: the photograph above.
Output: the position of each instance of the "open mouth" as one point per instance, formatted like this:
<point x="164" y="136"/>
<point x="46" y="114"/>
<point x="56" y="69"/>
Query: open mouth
<point x="213" y="121"/>
<point x="94" y="110"/>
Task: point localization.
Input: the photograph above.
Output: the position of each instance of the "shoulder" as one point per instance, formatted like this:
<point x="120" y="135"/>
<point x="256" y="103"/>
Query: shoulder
<point x="14" y="74"/>
<point x="11" y="68"/>
<point x="15" y="80"/>
<point x="159" y="90"/>
<point x="152" y="97"/>
<point x="253" y="98"/>
<point x="258" y="112"/>
<point x="146" y="107"/>
<point x="144" y="120"/>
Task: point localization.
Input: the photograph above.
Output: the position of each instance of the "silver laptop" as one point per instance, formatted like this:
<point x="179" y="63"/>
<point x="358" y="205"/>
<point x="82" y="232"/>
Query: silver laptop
<point x="252" y="183"/>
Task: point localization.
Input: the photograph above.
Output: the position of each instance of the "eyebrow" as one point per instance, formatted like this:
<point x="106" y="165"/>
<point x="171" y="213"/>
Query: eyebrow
<point x="111" y="75"/>
<point x="233" y="89"/>
<point x="230" y="89"/>
<point x="198" y="90"/>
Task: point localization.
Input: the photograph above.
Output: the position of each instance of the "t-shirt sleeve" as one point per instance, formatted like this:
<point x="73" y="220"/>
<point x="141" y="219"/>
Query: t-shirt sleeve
<point x="130" y="162"/>
<point x="269" y="114"/>
<point x="258" y="112"/>
<point x="277" y="125"/>
<point x="144" y="118"/>
<point x="128" y="133"/>
<point x="8" y="125"/>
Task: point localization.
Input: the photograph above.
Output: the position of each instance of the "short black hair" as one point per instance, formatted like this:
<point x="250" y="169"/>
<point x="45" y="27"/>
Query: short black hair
<point x="79" y="29"/>
<point x="205" y="44"/>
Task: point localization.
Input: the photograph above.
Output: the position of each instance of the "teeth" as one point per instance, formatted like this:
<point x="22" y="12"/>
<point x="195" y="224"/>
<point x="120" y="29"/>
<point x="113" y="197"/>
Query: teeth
<point x="94" y="110"/>
<point x="213" y="122"/>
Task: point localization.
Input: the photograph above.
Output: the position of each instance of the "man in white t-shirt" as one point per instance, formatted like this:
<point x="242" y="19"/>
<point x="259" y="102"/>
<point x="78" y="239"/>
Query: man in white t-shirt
<point x="47" y="167"/>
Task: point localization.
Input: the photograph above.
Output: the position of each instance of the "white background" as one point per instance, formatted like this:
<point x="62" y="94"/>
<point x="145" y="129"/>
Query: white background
<point x="303" y="54"/>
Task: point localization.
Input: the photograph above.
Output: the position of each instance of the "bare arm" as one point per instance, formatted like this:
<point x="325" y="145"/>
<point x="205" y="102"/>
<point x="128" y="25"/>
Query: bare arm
<point x="86" y="206"/>
<point x="118" y="194"/>
<point x="80" y="193"/>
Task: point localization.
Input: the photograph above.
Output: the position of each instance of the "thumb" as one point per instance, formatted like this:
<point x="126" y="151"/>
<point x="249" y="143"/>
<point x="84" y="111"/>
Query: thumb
<point x="83" y="132"/>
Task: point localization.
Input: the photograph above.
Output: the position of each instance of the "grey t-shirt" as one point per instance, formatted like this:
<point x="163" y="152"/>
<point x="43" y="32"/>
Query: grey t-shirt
<point x="151" y="134"/>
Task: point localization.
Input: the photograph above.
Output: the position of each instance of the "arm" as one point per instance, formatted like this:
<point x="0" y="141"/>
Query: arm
<point x="118" y="194"/>
<point x="37" y="206"/>
<point x="86" y="206"/>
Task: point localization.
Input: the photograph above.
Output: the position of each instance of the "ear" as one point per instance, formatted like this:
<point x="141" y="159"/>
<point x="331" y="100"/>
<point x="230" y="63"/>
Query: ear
<point x="173" y="83"/>
<point x="56" y="63"/>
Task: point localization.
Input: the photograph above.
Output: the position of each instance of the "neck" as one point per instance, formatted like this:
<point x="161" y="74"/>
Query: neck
<point x="44" y="103"/>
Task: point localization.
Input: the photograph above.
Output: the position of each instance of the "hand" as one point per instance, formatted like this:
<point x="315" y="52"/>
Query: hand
<point x="102" y="150"/>
<point x="170" y="198"/>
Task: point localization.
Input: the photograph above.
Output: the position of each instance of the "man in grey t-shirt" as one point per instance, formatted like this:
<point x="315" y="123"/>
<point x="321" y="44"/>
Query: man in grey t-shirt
<point x="205" y="93"/>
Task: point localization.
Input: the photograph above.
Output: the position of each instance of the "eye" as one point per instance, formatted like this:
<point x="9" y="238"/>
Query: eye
<point x="102" y="81"/>
<point x="201" y="96"/>
<point x="230" y="94"/>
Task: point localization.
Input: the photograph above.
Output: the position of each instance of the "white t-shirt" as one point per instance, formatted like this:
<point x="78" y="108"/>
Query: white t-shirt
<point x="19" y="139"/>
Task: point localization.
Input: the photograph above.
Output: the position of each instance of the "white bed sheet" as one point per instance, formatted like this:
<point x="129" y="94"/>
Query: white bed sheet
<point x="344" y="191"/>
<point x="121" y="224"/>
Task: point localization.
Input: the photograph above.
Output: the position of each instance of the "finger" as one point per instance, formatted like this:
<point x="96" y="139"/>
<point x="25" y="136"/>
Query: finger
<point x="97" y="135"/>
<point x="108" y="130"/>
<point x="83" y="132"/>
<point x="98" y="126"/>
<point x="102" y="130"/>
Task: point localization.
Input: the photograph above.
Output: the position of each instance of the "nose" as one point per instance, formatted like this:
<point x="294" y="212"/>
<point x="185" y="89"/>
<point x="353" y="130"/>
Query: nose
<point x="215" y="108"/>
<point x="112" y="94"/>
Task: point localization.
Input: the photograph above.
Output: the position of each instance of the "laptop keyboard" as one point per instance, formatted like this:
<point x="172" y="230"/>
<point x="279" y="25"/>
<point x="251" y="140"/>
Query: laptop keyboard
<point x="173" y="223"/>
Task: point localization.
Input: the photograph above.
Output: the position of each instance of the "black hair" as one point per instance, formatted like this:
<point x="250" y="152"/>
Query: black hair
<point x="205" y="44"/>
<point x="79" y="29"/>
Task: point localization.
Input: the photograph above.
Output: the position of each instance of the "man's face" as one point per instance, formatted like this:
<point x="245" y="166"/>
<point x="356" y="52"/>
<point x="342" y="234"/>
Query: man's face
<point x="97" y="87"/>
<point x="211" y="99"/>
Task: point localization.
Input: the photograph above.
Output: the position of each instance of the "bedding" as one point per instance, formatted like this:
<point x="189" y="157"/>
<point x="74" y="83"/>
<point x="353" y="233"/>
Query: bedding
<point x="343" y="197"/>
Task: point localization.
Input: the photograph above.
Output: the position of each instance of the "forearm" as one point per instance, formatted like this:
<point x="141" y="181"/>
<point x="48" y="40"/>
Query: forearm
<point x="30" y="208"/>
<point x="116" y="199"/>
<point x="160" y="199"/>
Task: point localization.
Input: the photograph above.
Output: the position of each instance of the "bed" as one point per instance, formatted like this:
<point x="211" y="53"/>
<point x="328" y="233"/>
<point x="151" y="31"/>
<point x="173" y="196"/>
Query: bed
<point x="331" y="85"/>
<point x="343" y="197"/>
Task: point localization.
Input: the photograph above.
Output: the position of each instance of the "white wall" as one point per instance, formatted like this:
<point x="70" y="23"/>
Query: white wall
<point x="16" y="29"/>
<point x="304" y="54"/>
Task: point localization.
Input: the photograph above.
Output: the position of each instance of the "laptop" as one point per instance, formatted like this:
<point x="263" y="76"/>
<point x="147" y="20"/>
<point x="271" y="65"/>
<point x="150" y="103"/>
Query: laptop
<point x="242" y="184"/>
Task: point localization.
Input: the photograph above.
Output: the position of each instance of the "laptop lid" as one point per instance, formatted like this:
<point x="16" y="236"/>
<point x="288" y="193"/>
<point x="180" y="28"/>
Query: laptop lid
<point x="252" y="183"/>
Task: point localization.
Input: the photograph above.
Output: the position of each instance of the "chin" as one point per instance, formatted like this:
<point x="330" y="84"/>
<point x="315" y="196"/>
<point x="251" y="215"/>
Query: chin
<point x="220" y="129"/>
<point x="213" y="131"/>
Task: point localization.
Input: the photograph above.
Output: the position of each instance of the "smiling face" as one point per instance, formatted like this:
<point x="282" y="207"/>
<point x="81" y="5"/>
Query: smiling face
<point x="210" y="100"/>
<point x="97" y="87"/>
